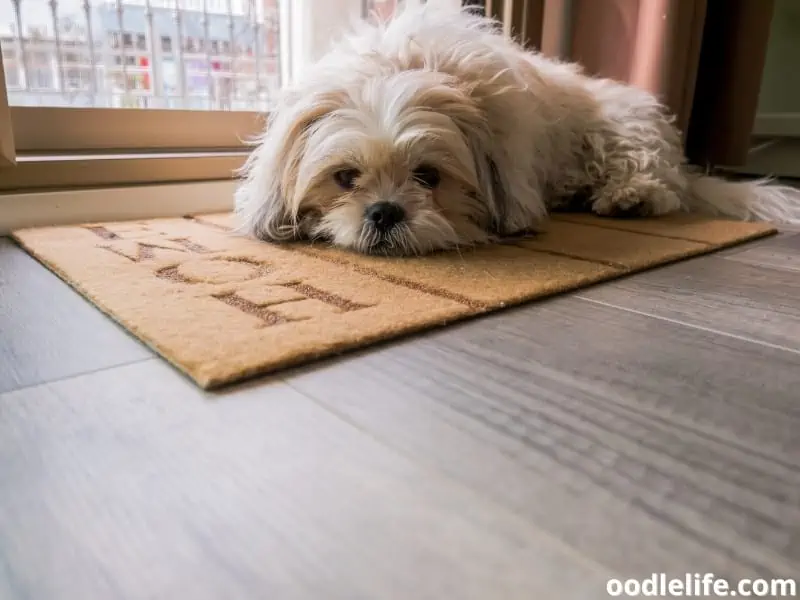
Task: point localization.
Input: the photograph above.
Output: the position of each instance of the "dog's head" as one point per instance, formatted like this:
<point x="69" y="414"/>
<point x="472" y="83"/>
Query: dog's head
<point x="394" y="163"/>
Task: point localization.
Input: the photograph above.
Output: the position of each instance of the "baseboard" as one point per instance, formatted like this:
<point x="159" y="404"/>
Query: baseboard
<point x="38" y="209"/>
<point x="777" y="125"/>
<point x="779" y="157"/>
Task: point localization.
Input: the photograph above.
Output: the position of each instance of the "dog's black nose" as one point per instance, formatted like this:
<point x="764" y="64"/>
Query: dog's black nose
<point x="385" y="215"/>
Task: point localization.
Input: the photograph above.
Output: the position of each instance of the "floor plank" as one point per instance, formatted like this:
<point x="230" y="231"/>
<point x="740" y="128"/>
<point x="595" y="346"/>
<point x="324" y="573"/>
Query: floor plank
<point x="129" y="483"/>
<point x="721" y="294"/>
<point x="780" y="252"/>
<point x="640" y="442"/>
<point x="48" y="331"/>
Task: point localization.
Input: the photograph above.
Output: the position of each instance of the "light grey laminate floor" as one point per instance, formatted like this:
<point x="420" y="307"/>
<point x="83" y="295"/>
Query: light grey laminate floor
<point x="649" y="425"/>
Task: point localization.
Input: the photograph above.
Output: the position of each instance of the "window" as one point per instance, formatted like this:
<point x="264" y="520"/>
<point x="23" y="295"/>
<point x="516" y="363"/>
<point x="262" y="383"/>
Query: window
<point x="77" y="79"/>
<point x="42" y="76"/>
<point x="42" y="80"/>
<point x="117" y="31"/>
<point x="12" y="76"/>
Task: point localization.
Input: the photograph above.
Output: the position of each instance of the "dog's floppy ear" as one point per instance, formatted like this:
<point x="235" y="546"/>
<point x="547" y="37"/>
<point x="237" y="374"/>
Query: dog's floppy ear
<point x="467" y="113"/>
<point x="265" y="202"/>
<point x="498" y="177"/>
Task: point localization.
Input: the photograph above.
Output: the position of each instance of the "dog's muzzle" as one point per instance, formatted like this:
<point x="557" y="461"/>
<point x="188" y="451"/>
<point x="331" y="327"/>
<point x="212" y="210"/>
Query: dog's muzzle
<point x="384" y="216"/>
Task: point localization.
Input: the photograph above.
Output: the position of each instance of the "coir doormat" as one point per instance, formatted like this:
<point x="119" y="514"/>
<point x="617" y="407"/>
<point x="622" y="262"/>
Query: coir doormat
<point x="222" y="308"/>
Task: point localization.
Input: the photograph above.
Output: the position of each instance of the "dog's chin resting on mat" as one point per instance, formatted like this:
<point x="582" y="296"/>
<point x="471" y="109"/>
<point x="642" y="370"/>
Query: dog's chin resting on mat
<point x="435" y="131"/>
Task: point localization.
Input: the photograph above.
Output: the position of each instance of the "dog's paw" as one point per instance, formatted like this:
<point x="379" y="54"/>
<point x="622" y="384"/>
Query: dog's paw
<point x="621" y="203"/>
<point x="631" y="201"/>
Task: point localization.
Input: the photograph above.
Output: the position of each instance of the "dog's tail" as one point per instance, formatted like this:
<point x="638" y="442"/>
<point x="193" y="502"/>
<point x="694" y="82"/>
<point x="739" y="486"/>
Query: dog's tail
<point x="755" y="200"/>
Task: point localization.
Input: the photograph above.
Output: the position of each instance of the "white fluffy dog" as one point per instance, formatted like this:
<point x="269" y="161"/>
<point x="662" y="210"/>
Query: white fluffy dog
<point x="435" y="131"/>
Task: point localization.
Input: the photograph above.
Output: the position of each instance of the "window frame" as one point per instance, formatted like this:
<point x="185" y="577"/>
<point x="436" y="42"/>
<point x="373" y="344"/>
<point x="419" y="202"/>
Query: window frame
<point x="57" y="130"/>
<point x="7" y="147"/>
<point x="119" y="147"/>
<point x="52" y="173"/>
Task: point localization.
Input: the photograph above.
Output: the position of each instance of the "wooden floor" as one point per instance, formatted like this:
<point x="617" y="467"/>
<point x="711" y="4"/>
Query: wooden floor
<point x="648" y="425"/>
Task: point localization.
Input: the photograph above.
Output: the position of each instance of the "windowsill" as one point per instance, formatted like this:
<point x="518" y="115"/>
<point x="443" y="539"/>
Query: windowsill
<point x="75" y="156"/>
<point x="66" y="207"/>
<point x="48" y="130"/>
<point x="52" y="172"/>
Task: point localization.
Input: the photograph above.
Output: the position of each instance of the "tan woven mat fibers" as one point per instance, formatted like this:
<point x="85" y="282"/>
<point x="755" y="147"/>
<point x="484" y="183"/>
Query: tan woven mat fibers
<point x="222" y="308"/>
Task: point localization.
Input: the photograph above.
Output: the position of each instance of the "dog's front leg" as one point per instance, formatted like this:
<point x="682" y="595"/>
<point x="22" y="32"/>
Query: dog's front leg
<point x="633" y="195"/>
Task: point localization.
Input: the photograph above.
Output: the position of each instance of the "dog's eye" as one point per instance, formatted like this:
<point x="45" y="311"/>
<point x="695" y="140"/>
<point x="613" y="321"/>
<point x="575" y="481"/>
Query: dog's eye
<point x="427" y="176"/>
<point x="346" y="178"/>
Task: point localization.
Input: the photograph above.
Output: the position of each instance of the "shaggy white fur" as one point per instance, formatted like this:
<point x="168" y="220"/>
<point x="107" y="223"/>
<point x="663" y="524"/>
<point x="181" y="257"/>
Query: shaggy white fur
<point x="434" y="131"/>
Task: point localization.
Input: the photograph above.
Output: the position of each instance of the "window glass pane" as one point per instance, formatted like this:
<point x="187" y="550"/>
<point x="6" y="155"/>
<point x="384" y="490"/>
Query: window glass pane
<point x="181" y="54"/>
